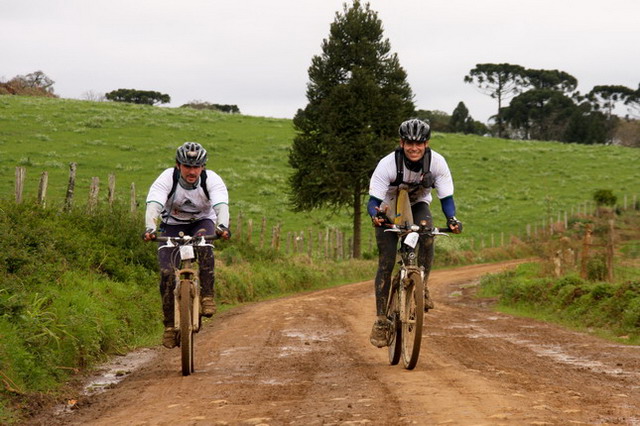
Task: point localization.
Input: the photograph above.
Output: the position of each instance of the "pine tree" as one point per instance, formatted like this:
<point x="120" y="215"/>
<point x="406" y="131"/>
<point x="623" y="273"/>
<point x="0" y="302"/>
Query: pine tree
<point x="357" y="97"/>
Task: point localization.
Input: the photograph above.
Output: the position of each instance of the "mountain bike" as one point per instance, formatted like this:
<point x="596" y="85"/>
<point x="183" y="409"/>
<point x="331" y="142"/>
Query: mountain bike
<point x="187" y="317"/>
<point x="405" y="305"/>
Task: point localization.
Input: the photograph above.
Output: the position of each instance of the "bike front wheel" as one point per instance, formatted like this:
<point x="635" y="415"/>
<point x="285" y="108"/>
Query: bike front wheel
<point x="186" y="329"/>
<point x="393" y="314"/>
<point x="412" y="319"/>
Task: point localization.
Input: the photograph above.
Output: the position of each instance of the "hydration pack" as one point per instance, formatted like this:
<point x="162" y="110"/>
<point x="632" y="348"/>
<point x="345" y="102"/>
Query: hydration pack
<point x="176" y="177"/>
<point x="426" y="167"/>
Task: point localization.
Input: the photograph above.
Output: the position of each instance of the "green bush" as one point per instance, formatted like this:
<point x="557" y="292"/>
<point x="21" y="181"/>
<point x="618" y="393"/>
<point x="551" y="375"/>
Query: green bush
<point x="604" y="197"/>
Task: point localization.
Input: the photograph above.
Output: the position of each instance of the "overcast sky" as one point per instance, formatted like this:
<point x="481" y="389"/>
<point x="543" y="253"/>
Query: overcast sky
<point x="256" y="53"/>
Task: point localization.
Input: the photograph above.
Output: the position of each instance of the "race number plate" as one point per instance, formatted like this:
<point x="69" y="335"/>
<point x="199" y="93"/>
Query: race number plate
<point x="186" y="252"/>
<point x="412" y="239"/>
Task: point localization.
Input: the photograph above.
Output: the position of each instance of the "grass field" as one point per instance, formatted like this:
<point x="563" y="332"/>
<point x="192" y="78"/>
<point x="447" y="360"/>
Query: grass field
<point x="501" y="185"/>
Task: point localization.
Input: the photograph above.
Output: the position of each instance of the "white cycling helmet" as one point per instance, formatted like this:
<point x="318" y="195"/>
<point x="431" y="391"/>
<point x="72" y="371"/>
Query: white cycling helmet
<point x="415" y="130"/>
<point x="191" y="154"/>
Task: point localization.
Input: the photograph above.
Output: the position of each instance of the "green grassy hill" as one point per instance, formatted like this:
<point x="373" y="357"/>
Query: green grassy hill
<point x="501" y="185"/>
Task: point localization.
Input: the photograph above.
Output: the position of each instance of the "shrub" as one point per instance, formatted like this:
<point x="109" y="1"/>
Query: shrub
<point x="604" y="197"/>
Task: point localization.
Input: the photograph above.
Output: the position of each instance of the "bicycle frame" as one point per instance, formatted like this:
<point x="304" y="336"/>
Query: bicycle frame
<point x="188" y="276"/>
<point x="406" y="315"/>
<point x="186" y="293"/>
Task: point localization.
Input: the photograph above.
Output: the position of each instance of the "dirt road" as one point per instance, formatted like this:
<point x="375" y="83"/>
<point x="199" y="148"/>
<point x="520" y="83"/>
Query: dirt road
<point x="306" y="360"/>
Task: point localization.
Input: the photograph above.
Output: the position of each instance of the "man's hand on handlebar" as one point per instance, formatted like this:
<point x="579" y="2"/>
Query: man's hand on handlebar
<point x="223" y="232"/>
<point x="454" y="224"/>
<point x="149" y="235"/>
<point x="381" y="218"/>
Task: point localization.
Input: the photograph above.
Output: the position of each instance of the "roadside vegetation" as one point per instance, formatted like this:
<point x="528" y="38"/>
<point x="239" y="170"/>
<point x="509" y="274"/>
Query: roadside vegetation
<point x="579" y="296"/>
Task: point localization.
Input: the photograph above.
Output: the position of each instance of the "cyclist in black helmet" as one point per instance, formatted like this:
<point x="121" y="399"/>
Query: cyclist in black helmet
<point x="417" y="168"/>
<point x="191" y="199"/>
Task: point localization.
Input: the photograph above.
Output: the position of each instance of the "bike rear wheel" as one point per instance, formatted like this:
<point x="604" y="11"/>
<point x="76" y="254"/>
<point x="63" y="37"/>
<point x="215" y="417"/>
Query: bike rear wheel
<point x="186" y="329"/>
<point x="393" y="313"/>
<point x="413" y="317"/>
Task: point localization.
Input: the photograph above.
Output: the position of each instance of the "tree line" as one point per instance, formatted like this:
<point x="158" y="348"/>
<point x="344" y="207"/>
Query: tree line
<point x="545" y="105"/>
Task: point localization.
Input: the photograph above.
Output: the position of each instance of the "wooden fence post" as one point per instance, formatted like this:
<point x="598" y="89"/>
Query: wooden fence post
<point x="94" y="189"/>
<point x="111" y="190"/>
<point x="249" y="230"/>
<point x="133" y="206"/>
<point x="20" y="176"/>
<point x="68" y="203"/>
<point x="42" y="189"/>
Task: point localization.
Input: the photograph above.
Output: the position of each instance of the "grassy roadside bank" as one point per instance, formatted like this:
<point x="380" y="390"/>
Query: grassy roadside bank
<point x="585" y="302"/>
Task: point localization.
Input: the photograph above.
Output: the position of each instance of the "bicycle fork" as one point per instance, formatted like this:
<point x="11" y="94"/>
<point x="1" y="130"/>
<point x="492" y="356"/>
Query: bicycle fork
<point x="189" y="278"/>
<point x="405" y="282"/>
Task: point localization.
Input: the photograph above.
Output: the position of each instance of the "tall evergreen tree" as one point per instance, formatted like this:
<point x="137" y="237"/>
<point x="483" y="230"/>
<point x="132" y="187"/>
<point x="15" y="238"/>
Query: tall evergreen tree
<point x="357" y="97"/>
<point x="461" y="121"/>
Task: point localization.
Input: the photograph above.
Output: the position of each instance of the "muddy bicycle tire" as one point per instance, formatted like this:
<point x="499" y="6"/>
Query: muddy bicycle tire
<point x="186" y="330"/>
<point x="411" y="334"/>
<point x="393" y="313"/>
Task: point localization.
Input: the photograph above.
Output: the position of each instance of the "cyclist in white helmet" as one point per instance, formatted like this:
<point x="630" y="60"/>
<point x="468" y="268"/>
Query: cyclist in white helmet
<point x="417" y="168"/>
<point x="191" y="199"/>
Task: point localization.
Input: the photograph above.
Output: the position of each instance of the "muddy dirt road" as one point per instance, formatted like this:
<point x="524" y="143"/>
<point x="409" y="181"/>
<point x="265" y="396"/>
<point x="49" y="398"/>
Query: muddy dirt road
<point x="306" y="360"/>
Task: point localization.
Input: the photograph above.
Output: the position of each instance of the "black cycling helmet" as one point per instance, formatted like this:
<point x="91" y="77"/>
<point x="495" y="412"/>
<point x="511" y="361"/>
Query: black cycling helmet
<point x="191" y="154"/>
<point x="415" y="130"/>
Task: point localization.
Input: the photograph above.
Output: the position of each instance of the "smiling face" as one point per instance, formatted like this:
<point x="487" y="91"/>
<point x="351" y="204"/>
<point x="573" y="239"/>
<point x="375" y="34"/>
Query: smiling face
<point x="190" y="173"/>
<point x="414" y="151"/>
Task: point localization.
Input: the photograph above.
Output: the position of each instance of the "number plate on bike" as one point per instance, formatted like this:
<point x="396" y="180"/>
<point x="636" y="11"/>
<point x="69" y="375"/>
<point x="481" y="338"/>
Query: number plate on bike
<point x="186" y="252"/>
<point x="412" y="239"/>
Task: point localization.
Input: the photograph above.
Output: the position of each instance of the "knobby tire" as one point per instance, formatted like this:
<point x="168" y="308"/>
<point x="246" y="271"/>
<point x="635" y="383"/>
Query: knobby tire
<point x="393" y="314"/>
<point x="186" y="329"/>
<point x="412" y="323"/>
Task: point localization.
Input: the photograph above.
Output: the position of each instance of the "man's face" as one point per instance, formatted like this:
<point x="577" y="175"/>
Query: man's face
<point x="190" y="173"/>
<point x="414" y="151"/>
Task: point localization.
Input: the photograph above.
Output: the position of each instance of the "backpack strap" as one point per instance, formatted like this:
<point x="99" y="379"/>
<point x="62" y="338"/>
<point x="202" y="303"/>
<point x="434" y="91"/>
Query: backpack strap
<point x="399" y="154"/>
<point x="203" y="182"/>
<point x="426" y="161"/>
<point x="176" y="177"/>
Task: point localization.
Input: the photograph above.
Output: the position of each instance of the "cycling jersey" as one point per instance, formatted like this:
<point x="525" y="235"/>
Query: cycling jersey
<point x="385" y="174"/>
<point x="185" y="205"/>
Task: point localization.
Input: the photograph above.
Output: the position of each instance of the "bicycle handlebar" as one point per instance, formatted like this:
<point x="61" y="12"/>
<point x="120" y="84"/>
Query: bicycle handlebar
<point x="420" y="229"/>
<point x="186" y="239"/>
